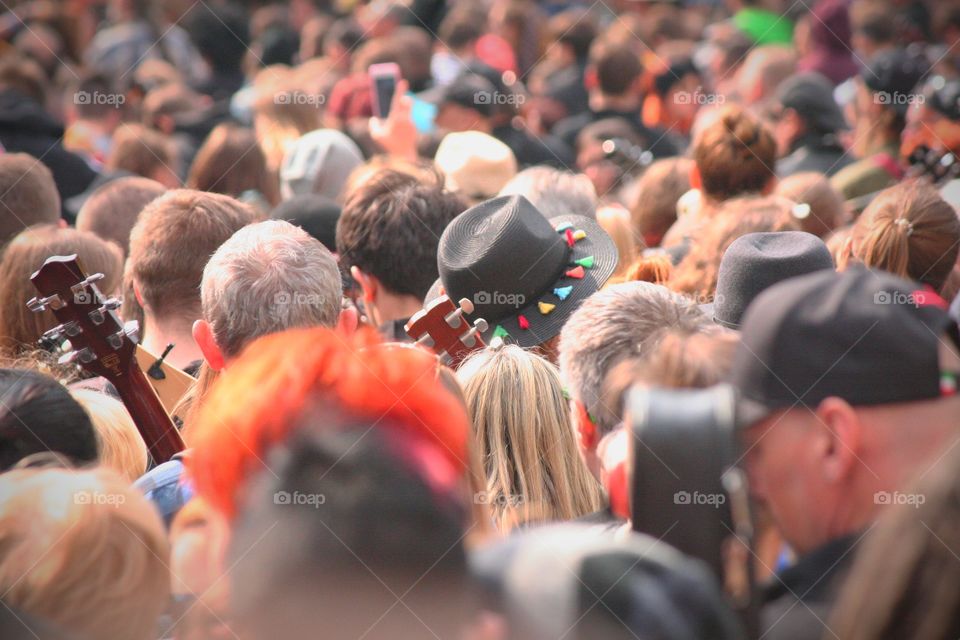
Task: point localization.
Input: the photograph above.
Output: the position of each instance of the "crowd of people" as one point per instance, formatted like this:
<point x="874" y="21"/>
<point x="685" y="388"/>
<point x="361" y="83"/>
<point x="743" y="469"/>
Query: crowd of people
<point x="689" y="273"/>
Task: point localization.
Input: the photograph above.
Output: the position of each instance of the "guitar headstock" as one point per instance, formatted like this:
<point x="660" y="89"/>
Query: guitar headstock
<point x="441" y="326"/>
<point x="89" y="321"/>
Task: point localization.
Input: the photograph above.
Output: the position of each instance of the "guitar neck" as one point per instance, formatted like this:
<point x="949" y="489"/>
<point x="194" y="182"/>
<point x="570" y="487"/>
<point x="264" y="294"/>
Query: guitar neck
<point x="156" y="428"/>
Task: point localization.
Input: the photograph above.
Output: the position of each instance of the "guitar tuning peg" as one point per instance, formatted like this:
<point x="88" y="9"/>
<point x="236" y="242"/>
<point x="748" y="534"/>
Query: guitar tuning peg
<point x="481" y="325"/>
<point x="132" y="329"/>
<point x="115" y="340"/>
<point x="96" y="316"/>
<point x="40" y="304"/>
<point x="426" y="341"/>
<point x="71" y="328"/>
<point x="84" y="355"/>
<point x="95" y="277"/>
<point x="466" y="305"/>
<point x="110" y="305"/>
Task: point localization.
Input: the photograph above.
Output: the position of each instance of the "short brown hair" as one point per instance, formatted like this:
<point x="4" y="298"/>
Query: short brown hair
<point x="174" y="237"/>
<point x="140" y="151"/>
<point x="909" y="230"/>
<point x="20" y="328"/>
<point x="29" y="193"/>
<point x="616" y="66"/>
<point x="112" y="210"/>
<point x="735" y="155"/>
<point x="653" y="208"/>
<point x="391" y="226"/>
<point x="230" y="162"/>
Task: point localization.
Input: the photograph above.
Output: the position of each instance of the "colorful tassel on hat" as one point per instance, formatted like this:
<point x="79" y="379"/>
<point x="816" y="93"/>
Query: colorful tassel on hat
<point x="570" y="239"/>
<point x="575" y="273"/>
<point x="579" y="234"/>
<point x="562" y="292"/>
<point x="563" y="227"/>
<point x="500" y="332"/>
<point x="523" y="322"/>
<point x="585" y="262"/>
<point x="546" y="307"/>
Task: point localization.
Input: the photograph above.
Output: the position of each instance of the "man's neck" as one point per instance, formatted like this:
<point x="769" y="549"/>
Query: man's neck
<point x="157" y="335"/>
<point x="392" y="306"/>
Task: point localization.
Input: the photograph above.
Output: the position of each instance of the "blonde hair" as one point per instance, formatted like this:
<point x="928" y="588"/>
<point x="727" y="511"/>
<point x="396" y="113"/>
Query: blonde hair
<point x="910" y="231"/>
<point x="522" y="429"/>
<point x="83" y="550"/>
<point x="616" y="222"/>
<point x="119" y="445"/>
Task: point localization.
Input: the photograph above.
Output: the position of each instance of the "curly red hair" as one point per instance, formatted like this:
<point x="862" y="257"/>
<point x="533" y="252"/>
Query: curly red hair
<point x="260" y="399"/>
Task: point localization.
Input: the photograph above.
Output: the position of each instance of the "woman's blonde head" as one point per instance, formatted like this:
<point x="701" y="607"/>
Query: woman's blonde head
<point x="522" y="430"/>
<point x="119" y="444"/>
<point x="83" y="550"/>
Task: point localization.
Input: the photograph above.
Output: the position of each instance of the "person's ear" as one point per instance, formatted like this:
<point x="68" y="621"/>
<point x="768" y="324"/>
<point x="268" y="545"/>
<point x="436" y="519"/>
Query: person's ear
<point x="137" y="294"/>
<point x="696" y="182"/>
<point x="587" y="431"/>
<point x="368" y="284"/>
<point x="349" y="320"/>
<point x="203" y="336"/>
<point x="839" y="431"/>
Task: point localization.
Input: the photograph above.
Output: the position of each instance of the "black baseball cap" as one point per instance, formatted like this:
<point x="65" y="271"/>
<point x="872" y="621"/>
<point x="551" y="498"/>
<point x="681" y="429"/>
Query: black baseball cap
<point x="894" y="73"/>
<point x="810" y="94"/>
<point x="865" y="336"/>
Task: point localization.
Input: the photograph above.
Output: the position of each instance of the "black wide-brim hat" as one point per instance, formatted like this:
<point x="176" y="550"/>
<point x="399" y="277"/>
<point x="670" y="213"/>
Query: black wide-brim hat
<point x="524" y="274"/>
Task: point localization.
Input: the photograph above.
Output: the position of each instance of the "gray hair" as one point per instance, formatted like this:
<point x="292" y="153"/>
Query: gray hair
<point x="268" y="277"/>
<point x="612" y="326"/>
<point x="554" y="192"/>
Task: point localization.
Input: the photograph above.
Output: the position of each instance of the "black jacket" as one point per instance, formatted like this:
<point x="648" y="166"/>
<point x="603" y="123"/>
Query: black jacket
<point x="26" y="128"/>
<point x="797" y="602"/>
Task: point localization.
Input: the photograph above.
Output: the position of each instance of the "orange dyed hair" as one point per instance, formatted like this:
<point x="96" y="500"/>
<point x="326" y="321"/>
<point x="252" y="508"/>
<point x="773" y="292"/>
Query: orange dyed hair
<point x="261" y="398"/>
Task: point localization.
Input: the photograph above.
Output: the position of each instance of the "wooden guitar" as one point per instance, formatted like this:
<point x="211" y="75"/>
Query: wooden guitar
<point x="441" y="326"/>
<point x="102" y="346"/>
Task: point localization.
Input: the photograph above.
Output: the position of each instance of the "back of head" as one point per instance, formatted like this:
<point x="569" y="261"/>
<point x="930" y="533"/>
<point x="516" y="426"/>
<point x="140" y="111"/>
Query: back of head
<point x="735" y="155"/>
<point x="142" y="151"/>
<point x="230" y="162"/>
<point x="38" y="415"/>
<point x="825" y="209"/>
<point x="390" y="228"/>
<point x="654" y="206"/>
<point x="24" y="76"/>
<point x="100" y="566"/>
<point x="21" y="328"/>
<point x="764" y="68"/>
<point x="119" y="444"/>
<point x="523" y="433"/>
<point x="353" y="518"/>
<point x="697" y="272"/>
<point x="268" y="277"/>
<point x="112" y="210"/>
<point x="30" y="195"/>
<point x="554" y="192"/>
<point x="909" y="230"/>
<point x="174" y="237"/>
<point x="616" y="66"/>
<point x="611" y="326"/>
<point x="314" y="214"/>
